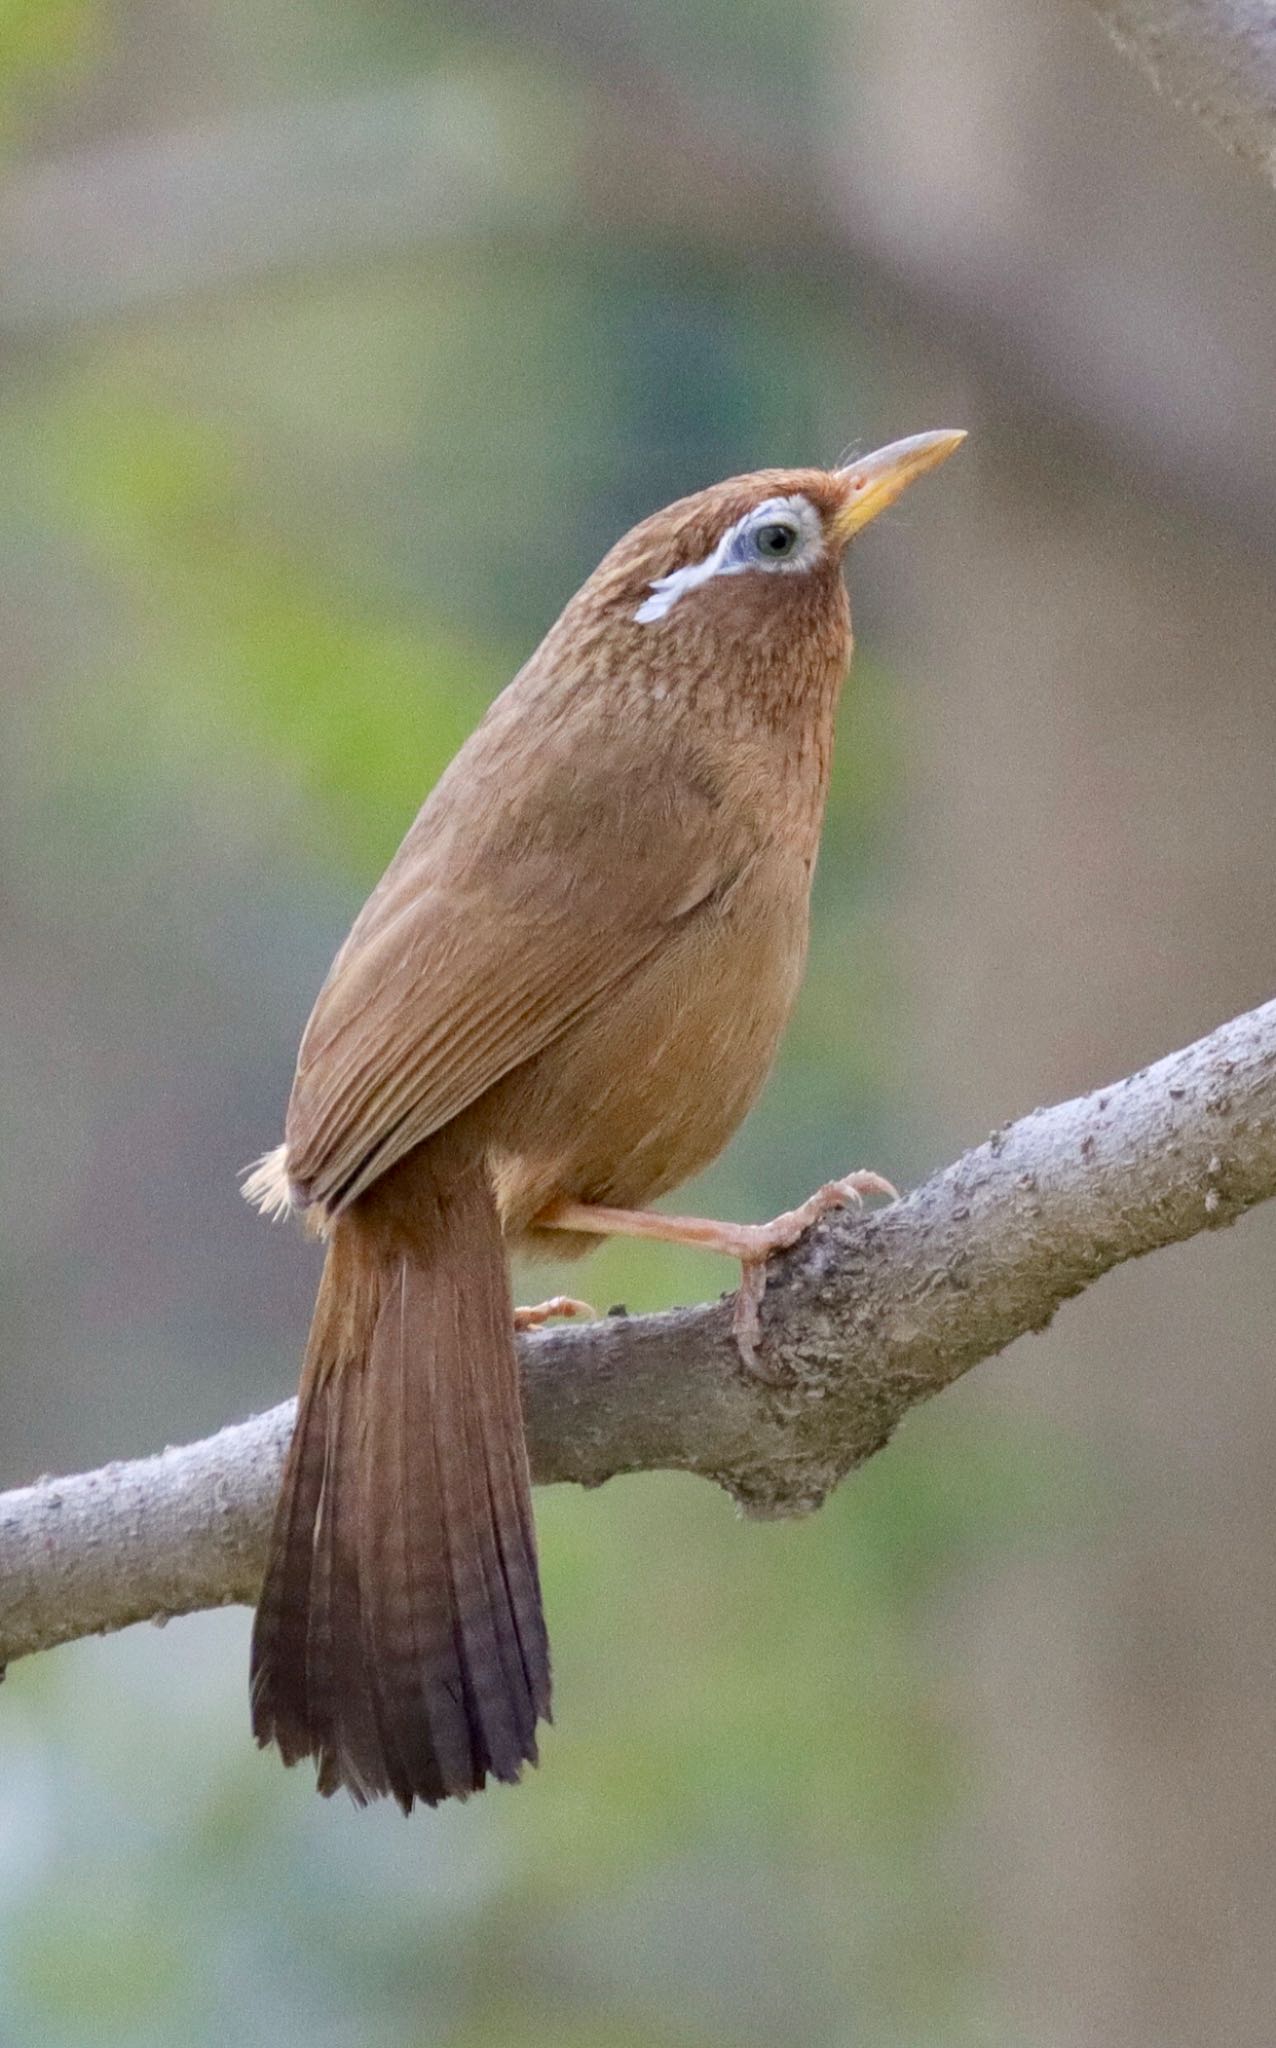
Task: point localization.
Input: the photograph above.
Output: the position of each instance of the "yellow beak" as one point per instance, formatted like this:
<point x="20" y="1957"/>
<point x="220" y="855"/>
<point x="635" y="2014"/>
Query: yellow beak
<point x="875" y="481"/>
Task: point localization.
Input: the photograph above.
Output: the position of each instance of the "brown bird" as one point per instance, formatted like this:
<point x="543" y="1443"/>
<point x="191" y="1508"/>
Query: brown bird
<point x="557" y="1004"/>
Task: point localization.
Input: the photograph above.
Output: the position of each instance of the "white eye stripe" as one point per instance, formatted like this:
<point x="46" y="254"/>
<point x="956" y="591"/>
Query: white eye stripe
<point x="729" y="558"/>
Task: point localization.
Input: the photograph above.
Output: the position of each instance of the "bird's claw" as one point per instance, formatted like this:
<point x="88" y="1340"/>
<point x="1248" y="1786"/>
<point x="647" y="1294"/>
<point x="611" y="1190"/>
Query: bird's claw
<point x="780" y="1235"/>
<point x="542" y="1312"/>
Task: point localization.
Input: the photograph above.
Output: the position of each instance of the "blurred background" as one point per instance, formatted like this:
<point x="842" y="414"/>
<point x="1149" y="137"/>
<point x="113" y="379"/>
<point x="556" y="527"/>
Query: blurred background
<point x="337" y="341"/>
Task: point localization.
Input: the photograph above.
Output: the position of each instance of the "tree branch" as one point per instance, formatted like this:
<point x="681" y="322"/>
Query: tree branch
<point x="1215" y="57"/>
<point x="867" y="1316"/>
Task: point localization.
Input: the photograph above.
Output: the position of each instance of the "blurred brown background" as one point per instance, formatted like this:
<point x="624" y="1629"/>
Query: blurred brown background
<point x="336" y="343"/>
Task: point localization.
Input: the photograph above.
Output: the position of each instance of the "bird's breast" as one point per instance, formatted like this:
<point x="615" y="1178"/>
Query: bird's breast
<point x="648" y="1086"/>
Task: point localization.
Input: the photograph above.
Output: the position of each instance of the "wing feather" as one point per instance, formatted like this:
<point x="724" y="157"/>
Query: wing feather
<point x="478" y="949"/>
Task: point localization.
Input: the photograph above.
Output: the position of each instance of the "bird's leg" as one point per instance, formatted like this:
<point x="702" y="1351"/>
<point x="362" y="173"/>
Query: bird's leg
<point x="751" y="1243"/>
<point x="545" y="1311"/>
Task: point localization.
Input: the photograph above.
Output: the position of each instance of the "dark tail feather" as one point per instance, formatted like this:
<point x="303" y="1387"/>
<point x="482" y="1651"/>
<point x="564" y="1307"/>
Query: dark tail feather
<point x="505" y="1508"/>
<point x="280" y="1673"/>
<point x="345" y="1730"/>
<point x="310" y="1690"/>
<point x="399" y="1637"/>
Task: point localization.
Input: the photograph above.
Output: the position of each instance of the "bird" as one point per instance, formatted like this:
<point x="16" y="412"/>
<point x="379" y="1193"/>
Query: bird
<point x="556" y="1006"/>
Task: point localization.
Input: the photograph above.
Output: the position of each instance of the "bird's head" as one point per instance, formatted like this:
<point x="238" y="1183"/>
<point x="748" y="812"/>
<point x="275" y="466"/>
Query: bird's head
<point x="746" y="576"/>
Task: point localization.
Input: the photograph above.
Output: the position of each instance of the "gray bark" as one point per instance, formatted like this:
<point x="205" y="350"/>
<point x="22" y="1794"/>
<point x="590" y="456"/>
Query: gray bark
<point x="869" y="1315"/>
<point x="1216" y="58"/>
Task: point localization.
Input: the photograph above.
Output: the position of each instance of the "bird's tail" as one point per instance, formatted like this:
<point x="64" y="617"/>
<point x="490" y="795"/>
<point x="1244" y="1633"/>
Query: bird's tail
<point x="399" y="1637"/>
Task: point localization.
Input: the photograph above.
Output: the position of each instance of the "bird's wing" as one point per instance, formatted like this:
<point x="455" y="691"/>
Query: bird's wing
<point x="478" y="948"/>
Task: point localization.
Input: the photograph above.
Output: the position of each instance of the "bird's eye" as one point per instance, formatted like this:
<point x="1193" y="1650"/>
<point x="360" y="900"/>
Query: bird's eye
<point x="775" y="540"/>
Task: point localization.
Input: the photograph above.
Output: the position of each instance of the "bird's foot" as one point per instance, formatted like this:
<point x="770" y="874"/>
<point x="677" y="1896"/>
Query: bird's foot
<point x="542" y="1312"/>
<point x="751" y="1243"/>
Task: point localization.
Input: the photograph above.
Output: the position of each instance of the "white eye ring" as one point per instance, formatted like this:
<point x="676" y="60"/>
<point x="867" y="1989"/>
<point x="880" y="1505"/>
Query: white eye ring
<point x="739" y="550"/>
